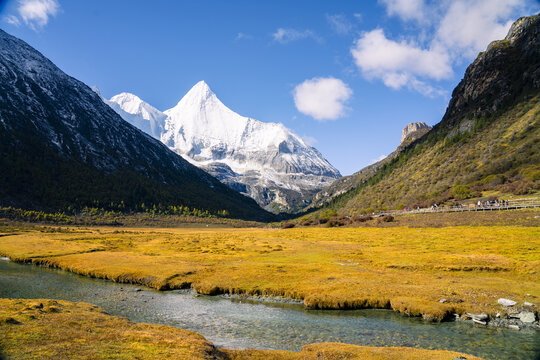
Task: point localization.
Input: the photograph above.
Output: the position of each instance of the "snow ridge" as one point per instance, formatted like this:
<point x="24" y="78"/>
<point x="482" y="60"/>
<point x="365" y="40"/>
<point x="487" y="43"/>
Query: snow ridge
<point x="263" y="160"/>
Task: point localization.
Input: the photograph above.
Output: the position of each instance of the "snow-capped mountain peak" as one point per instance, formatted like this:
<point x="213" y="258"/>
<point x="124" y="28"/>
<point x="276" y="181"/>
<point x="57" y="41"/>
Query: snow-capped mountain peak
<point x="137" y="112"/>
<point x="200" y="92"/>
<point x="264" y="160"/>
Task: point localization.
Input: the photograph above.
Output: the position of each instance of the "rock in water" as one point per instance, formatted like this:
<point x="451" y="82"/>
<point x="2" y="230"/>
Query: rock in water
<point x="506" y="302"/>
<point x="481" y="317"/>
<point x="527" y="316"/>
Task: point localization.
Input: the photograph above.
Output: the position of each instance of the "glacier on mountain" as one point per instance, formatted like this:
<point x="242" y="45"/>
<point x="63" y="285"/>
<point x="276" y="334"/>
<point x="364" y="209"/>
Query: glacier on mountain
<point x="263" y="160"/>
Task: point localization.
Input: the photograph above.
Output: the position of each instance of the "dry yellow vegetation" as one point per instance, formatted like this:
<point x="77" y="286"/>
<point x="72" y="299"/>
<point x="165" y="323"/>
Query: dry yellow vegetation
<point x="405" y="269"/>
<point x="53" y="329"/>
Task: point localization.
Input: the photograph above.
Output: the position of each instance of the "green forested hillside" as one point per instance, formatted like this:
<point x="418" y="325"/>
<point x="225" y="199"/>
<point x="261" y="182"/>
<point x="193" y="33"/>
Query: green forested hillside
<point x="488" y="139"/>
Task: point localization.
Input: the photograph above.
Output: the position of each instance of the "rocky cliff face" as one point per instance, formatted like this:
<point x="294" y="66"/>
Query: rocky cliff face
<point x="413" y="131"/>
<point x="508" y="69"/>
<point x="265" y="161"/>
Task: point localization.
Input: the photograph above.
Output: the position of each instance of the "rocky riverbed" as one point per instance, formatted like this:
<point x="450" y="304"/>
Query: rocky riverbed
<point x="512" y="315"/>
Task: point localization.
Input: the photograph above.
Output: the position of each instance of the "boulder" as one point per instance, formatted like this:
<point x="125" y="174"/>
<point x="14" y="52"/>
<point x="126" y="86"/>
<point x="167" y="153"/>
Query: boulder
<point x="527" y="317"/>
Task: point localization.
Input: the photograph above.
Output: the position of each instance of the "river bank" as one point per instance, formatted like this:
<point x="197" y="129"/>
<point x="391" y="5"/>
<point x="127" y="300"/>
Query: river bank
<point x="405" y="269"/>
<point x="51" y="329"/>
<point x="242" y="323"/>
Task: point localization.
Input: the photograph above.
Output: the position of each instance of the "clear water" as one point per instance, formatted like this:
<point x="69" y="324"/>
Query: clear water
<point x="242" y="324"/>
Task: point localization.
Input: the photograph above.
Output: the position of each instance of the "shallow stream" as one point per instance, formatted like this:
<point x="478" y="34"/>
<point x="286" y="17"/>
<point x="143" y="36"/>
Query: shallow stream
<point x="247" y="324"/>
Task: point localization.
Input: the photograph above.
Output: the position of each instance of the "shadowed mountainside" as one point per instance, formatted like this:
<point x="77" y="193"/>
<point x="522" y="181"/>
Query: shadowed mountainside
<point x="62" y="147"/>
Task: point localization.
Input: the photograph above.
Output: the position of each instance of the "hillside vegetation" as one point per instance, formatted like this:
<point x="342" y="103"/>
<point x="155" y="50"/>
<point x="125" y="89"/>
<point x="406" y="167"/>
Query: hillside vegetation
<point x="498" y="154"/>
<point x="487" y="141"/>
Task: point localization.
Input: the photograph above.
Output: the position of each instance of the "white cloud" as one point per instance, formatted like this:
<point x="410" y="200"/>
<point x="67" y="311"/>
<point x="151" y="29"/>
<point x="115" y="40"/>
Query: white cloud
<point x="448" y="32"/>
<point x="398" y="64"/>
<point x="468" y="27"/>
<point x="405" y="9"/>
<point x="309" y="140"/>
<point x="381" y="157"/>
<point x="339" y="23"/>
<point x="34" y="13"/>
<point x="284" y="36"/>
<point x="243" y="36"/>
<point x="12" y="19"/>
<point x="322" y="98"/>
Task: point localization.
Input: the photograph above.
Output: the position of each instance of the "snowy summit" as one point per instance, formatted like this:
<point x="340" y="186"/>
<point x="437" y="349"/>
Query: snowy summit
<point x="263" y="160"/>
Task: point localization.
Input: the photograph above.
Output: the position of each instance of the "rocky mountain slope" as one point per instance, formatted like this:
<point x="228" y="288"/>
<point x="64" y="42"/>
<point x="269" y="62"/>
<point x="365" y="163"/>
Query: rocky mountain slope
<point x="414" y="131"/>
<point x="61" y="146"/>
<point x="410" y="133"/>
<point x="263" y="160"/>
<point x="488" y="139"/>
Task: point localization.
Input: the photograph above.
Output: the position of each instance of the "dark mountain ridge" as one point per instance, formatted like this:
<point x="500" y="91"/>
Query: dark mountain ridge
<point x="61" y="146"/>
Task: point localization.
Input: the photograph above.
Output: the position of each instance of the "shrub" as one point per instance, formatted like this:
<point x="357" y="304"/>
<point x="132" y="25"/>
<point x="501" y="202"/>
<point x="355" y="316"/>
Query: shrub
<point x="335" y="222"/>
<point x="327" y="214"/>
<point x="520" y="187"/>
<point x="287" y="225"/>
<point x="387" y="218"/>
<point x="362" y="218"/>
<point x="460" y="192"/>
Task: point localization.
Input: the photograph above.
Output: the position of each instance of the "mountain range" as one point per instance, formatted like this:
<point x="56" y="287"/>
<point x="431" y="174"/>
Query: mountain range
<point x="265" y="161"/>
<point x="486" y="143"/>
<point x="61" y="147"/>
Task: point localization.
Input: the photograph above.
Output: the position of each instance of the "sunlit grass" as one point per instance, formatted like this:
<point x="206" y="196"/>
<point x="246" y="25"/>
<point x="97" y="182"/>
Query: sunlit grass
<point x="405" y="269"/>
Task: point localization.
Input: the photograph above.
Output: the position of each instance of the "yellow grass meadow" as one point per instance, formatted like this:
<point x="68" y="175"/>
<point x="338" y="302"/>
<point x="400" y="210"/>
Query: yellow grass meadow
<point x="405" y="269"/>
<point x="54" y="329"/>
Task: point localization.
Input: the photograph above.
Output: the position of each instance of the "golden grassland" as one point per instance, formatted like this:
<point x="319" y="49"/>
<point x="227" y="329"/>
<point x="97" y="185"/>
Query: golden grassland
<point x="54" y="329"/>
<point x="405" y="269"/>
<point x="521" y="217"/>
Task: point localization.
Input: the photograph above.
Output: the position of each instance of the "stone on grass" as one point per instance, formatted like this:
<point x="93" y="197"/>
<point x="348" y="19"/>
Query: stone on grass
<point x="526" y="303"/>
<point x="506" y="302"/>
<point x="442" y="301"/>
<point x="514" y="327"/>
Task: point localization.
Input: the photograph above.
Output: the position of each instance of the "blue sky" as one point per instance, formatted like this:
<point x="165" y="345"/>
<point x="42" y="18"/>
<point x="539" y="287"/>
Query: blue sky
<point x="345" y="75"/>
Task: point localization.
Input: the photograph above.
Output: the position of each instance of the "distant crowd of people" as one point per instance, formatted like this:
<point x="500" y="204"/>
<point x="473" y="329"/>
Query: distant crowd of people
<point x="479" y="204"/>
<point x="492" y="203"/>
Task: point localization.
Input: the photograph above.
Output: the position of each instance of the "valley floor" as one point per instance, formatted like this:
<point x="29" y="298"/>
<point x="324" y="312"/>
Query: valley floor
<point x="402" y="268"/>
<point x="54" y="329"/>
